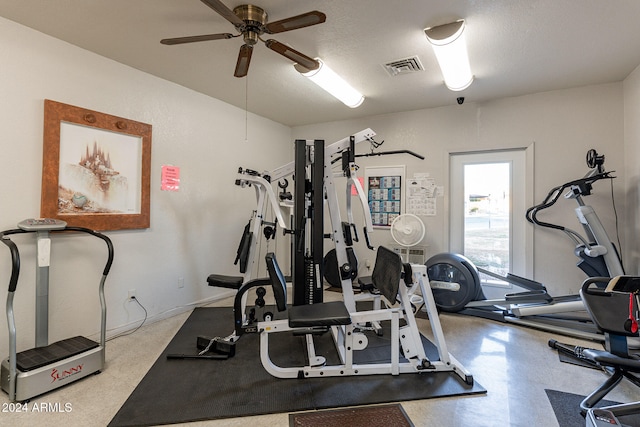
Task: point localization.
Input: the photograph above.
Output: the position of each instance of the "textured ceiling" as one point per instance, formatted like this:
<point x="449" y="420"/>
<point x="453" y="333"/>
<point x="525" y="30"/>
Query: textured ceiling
<point x="516" y="47"/>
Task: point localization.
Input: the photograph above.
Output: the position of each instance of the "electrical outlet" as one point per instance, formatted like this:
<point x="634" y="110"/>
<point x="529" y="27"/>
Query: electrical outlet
<point x="180" y="282"/>
<point x="132" y="294"/>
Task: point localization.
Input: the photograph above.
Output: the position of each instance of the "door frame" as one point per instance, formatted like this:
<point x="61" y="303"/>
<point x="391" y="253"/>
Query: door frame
<point x="525" y="263"/>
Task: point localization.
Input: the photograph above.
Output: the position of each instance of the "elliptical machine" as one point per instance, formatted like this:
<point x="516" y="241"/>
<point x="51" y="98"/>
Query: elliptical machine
<point x="457" y="287"/>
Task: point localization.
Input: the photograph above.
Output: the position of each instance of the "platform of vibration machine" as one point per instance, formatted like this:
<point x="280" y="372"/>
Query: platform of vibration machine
<point x="43" y="369"/>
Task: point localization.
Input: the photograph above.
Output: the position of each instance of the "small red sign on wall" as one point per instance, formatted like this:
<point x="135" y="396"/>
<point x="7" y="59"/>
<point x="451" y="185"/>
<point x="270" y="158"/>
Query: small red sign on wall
<point x="170" y="178"/>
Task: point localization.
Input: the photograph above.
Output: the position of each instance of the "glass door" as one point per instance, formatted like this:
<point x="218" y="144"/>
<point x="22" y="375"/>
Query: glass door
<point x="489" y="198"/>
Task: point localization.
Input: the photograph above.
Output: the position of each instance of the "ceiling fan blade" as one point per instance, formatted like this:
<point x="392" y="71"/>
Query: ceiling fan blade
<point x="224" y="11"/>
<point x="192" y="39"/>
<point x="295" y="22"/>
<point x="292" y="54"/>
<point x="244" y="59"/>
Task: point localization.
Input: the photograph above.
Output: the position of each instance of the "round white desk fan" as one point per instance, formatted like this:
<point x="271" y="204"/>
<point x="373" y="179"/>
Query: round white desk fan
<point x="408" y="230"/>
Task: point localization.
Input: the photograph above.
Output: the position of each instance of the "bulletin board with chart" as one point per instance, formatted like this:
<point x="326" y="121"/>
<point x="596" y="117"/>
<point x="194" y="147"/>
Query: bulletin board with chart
<point x="385" y="193"/>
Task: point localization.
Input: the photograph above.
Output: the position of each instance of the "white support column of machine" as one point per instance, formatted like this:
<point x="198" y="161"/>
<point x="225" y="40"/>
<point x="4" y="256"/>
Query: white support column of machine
<point x="43" y="255"/>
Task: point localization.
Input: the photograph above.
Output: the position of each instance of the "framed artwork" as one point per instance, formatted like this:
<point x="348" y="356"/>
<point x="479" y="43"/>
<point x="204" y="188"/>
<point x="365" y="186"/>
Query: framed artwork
<point x="95" y="169"/>
<point x="385" y="193"/>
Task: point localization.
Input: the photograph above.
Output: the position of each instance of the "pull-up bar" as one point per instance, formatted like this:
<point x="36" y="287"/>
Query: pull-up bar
<point x="384" y="153"/>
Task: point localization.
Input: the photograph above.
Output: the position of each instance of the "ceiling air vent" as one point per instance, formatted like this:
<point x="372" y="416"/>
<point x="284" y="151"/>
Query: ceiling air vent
<point x="404" y="66"/>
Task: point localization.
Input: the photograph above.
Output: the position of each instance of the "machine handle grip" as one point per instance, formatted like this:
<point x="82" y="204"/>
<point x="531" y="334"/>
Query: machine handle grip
<point x="355" y="233"/>
<point x="15" y="257"/>
<point x="15" y="263"/>
<point x="366" y="238"/>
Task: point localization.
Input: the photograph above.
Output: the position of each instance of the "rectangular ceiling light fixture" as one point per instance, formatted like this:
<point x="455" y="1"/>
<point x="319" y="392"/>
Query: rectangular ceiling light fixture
<point x="328" y="80"/>
<point x="450" y="47"/>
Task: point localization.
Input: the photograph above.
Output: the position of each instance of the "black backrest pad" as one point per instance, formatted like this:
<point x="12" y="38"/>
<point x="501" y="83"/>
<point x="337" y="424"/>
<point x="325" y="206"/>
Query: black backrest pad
<point x="244" y="247"/>
<point x="408" y="273"/>
<point x="608" y="310"/>
<point x="278" y="284"/>
<point x="387" y="272"/>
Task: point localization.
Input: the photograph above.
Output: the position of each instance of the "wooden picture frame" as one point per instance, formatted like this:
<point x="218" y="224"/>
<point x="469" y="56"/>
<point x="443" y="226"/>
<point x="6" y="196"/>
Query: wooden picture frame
<point x="95" y="169"/>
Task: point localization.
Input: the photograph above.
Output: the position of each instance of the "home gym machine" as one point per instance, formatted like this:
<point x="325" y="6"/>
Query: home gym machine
<point x="315" y="188"/>
<point x="265" y="199"/>
<point x="406" y="351"/>
<point x="349" y="326"/>
<point x="48" y="366"/>
<point x="456" y="283"/>
<point x="306" y="169"/>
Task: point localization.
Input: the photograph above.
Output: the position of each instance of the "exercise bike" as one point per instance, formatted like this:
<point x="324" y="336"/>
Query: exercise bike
<point x="457" y="286"/>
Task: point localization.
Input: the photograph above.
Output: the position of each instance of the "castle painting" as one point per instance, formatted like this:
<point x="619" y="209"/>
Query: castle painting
<point x="100" y="171"/>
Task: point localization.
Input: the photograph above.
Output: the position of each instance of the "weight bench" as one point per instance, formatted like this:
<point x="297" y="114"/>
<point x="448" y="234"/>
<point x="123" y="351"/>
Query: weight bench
<point x="348" y="333"/>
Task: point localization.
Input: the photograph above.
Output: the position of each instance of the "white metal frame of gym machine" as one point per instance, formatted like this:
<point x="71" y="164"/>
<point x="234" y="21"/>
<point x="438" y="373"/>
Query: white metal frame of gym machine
<point x="349" y="338"/>
<point x="308" y="286"/>
<point x="48" y="366"/>
<point x="267" y="198"/>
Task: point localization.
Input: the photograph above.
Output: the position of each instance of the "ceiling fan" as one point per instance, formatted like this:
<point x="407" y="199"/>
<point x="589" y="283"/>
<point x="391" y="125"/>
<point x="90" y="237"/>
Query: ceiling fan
<point x="251" y="22"/>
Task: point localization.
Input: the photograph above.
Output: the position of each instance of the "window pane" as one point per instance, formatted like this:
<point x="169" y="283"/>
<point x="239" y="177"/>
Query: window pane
<point x="487" y="202"/>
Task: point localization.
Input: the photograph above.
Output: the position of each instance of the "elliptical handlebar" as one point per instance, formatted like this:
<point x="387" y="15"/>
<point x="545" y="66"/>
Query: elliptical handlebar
<point x="555" y="193"/>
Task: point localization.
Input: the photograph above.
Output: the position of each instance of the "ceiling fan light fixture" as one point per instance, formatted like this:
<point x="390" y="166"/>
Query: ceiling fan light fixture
<point x="450" y="47"/>
<point x="331" y="82"/>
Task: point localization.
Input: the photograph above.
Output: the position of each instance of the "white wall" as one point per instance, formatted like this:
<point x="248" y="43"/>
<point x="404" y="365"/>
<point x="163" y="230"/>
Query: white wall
<point x="194" y="232"/>
<point x="632" y="169"/>
<point x="562" y="124"/>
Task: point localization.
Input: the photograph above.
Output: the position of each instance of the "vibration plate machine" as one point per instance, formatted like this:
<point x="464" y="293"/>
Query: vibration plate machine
<point x="48" y="366"/>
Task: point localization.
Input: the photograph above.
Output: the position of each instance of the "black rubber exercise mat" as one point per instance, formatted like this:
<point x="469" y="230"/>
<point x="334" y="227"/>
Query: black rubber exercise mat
<point x="175" y="391"/>
<point x="566" y="407"/>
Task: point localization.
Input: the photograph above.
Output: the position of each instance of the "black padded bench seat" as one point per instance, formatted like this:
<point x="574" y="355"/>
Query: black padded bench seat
<point x="222" y="281"/>
<point x="323" y="314"/>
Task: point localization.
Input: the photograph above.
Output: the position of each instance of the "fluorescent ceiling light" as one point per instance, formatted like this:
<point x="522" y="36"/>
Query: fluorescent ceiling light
<point x="450" y="47"/>
<point x="328" y="80"/>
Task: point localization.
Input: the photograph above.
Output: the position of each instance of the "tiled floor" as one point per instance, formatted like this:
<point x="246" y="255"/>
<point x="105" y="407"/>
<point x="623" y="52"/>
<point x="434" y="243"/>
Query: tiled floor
<point x="513" y="363"/>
